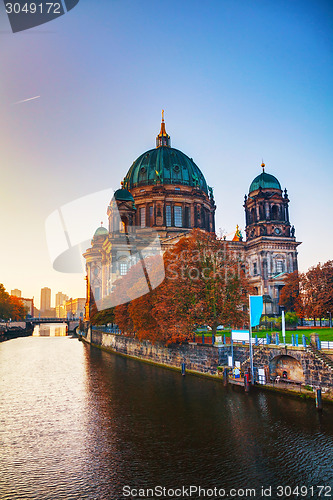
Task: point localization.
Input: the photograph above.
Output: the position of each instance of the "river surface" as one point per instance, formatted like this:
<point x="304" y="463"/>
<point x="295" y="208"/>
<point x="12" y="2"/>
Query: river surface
<point x="80" y="423"/>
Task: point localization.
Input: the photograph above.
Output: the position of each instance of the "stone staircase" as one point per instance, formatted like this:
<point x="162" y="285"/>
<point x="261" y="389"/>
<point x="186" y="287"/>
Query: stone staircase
<point x="247" y="361"/>
<point x="321" y="356"/>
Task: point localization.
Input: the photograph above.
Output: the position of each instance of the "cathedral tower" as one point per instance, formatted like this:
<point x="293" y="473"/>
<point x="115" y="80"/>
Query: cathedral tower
<point x="271" y="246"/>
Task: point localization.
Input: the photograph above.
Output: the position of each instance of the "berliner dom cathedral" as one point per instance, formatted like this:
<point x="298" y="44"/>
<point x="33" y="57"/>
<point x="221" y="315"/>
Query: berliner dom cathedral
<point x="166" y="192"/>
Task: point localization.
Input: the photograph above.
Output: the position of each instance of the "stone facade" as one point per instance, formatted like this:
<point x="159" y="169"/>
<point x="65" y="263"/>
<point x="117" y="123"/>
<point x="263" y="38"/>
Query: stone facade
<point x="201" y="359"/>
<point x="165" y="192"/>
<point x="300" y="364"/>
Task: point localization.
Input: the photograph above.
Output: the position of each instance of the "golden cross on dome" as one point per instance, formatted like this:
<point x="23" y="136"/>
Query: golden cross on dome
<point x="263" y="165"/>
<point x="162" y="115"/>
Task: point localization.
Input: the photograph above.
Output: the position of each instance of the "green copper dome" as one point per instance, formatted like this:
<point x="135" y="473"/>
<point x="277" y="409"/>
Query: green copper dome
<point x="265" y="181"/>
<point x="165" y="165"/>
<point x="123" y="195"/>
<point x="101" y="231"/>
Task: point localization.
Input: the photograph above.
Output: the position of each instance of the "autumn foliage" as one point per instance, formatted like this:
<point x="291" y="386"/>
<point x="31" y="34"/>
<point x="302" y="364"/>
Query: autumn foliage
<point x="309" y="294"/>
<point x="11" y="307"/>
<point x="204" y="284"/>
<point x="290" y="296"/>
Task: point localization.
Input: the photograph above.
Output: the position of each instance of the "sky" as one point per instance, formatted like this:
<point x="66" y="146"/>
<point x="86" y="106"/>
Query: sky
<point x="239" y="82"/>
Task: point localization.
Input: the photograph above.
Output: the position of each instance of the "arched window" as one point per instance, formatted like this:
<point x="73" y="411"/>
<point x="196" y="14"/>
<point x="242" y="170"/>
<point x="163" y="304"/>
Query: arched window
<point x="124" y="225"/>
<point x="151" y="216"/>
<point x="203" y="218"/>
<point x="123" y="267"/>
<point x="275" y="212"/>
<point x="178" y="214"/>
<point x="253" y="216"/>
<point x="168" y="215"/>
<point x="279" y="266"/>
<point x="143" y="216"/>
<point x="262" y="212"/>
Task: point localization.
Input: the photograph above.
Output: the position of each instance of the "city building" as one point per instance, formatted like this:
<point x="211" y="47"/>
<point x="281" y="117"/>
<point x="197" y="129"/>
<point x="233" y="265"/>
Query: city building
<point x="164" y="190"/>
<point x="61" y="310"/>
<point x="75" y="308"/>
<point x="60" y="298"/>
<point x="16" y="292"/>
<point x="60" y="305"/>
<point x="45" y="299"/>
<point x="29" y="305"/>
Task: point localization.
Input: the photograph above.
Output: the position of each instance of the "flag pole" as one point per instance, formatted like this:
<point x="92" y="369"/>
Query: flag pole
<point x="250" y="340"/>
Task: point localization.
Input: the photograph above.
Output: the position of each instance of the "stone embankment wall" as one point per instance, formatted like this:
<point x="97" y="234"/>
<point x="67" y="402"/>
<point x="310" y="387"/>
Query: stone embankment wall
<point x="314" y="371"/>
<point x="205" y="359"/>
<point x="201" y="359"/>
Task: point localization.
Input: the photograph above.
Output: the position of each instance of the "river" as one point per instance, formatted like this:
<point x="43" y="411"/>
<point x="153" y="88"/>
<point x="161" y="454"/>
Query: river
<point x="80" y="423"/>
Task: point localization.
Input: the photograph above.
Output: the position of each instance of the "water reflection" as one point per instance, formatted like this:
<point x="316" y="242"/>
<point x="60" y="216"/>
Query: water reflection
<point x="78" y="423"/>
<point x="50" y="330"/>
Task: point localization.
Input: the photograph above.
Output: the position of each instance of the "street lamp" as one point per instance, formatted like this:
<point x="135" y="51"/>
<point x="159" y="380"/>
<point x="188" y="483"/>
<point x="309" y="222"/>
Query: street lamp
<point x="330" y="324"/>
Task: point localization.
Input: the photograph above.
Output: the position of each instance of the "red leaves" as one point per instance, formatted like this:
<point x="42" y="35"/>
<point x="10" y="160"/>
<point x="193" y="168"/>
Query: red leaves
<point x="11" y="306"/>
<point x="204" y="284"/>
<point x="309" y="294"/>
<point x="290" y="294"/>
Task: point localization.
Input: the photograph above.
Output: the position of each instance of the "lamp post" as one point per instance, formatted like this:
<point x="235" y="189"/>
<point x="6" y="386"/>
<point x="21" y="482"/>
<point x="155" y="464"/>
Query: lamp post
<point x="330" y="323"/>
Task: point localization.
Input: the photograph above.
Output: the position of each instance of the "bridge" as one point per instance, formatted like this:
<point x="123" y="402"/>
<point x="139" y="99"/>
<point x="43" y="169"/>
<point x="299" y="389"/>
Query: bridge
<point x="37" y="321"/>
<point x="72" y="323"/>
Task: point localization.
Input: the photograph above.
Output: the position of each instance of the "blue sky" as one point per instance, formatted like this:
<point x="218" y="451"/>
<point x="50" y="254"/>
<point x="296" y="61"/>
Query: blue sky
<point x="239" y="81"/>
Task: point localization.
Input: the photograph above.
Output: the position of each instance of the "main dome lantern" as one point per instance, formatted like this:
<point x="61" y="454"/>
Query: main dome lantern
<point x="164" y="165"/>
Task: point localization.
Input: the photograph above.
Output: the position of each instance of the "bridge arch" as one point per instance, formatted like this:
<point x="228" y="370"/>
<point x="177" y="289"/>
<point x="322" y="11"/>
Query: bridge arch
<point x="288" y="367"/>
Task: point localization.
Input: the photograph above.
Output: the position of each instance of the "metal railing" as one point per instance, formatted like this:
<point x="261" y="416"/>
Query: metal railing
<point x="107" y="329"/>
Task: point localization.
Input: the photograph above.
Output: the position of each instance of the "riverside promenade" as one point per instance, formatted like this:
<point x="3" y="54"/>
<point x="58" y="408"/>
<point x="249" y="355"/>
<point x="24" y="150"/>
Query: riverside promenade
<point x="296" y="370"/>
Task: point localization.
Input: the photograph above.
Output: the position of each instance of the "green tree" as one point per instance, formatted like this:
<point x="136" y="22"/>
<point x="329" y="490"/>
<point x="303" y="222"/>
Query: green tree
<point x="103" y="317"/>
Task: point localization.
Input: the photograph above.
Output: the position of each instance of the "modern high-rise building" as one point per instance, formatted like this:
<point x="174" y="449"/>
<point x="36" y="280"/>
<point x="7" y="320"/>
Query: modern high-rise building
<point x="45" y="299"/>
<point x="16" y="292"/>
<point x="60" y="298"/>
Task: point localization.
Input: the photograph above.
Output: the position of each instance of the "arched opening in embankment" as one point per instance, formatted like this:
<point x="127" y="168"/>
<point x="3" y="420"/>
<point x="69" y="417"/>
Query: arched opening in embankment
<point x="286" y="367"/>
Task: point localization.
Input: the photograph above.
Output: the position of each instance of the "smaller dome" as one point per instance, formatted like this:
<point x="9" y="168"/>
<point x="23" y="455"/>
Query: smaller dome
<point x="265" y="181"/>
<point x="101" y="231"/>
<point x="123" y="195"/>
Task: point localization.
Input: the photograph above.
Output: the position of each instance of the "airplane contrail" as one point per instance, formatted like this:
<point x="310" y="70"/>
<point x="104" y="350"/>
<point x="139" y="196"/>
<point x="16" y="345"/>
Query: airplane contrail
<point x="25" y="100"/>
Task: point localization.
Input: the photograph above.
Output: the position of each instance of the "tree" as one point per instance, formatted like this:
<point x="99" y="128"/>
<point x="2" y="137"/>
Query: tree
<point x="133" y="315"/>
<point x="11" y="307"/>
<point x="205" y="283"/>
<point x="291" y="319"/>
<point x="103" y="317"/>
<point x="318" y="290"/>
<point x="18" y="311"/>
<point x="290" y="296"/>
<point x="4" y="303"/>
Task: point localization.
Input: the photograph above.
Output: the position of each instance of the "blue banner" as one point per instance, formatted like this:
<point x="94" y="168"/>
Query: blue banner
<point x="256" y="306"/>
